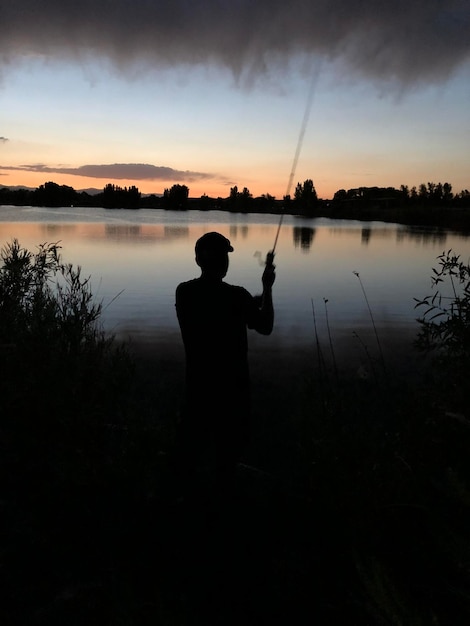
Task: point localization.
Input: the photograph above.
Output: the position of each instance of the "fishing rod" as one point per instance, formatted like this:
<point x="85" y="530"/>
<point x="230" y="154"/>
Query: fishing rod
<point x="300" y="140"/>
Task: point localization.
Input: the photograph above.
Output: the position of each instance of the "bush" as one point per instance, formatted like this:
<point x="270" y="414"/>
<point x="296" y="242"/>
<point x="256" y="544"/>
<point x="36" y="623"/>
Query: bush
<point x="445" y="329"/>
<point x="64" y="384"/>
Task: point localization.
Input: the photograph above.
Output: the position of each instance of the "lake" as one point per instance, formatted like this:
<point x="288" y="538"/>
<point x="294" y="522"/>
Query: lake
<point x="137" y="258"/>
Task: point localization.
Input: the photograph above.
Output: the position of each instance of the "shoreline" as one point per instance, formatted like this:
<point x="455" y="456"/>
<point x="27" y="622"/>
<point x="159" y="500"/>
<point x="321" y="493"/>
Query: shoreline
<point x="456" y="219"/>
<point x="351" y="351"/>
<point x="288" y="389"/>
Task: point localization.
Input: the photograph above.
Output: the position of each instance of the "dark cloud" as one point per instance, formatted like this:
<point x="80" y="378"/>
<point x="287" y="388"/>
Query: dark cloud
<point x="403" y="40"/>
<point x="119" y="171"/>
<point x="3" y="139"/>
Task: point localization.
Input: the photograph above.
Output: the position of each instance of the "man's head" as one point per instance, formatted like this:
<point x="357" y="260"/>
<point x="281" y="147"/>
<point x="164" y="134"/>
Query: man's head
<point x="212" y="254"/>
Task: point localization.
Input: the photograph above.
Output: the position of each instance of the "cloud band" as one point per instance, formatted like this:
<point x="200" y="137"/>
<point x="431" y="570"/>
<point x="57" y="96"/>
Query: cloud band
<point x="404" y="40"/>
<point x="119" y="171"/>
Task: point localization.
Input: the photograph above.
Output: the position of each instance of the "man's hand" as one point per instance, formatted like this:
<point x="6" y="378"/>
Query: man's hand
<point x="269" y="275"/>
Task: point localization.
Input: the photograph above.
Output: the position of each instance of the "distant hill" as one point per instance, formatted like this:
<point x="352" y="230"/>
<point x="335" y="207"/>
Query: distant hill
<point x="91" y="191"/>
<point x="17" y="187"/>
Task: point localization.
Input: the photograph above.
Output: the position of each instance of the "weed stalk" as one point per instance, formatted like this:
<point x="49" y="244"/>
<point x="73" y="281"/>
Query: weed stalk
<point x="372" y="320"/>
<point x="333" y="356"/>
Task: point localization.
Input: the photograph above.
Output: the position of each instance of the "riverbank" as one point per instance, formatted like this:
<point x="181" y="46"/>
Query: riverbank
<point x="440" y="217"/>
<point x="345" y="508"/>
<point x="349" y="505"/>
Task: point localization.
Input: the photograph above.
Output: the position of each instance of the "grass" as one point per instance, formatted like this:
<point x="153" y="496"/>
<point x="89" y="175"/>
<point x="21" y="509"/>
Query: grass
<point x="351" y="505"/>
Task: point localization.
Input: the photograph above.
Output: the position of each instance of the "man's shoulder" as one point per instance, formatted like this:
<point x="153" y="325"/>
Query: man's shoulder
<point x="197" y="283"/>
<point x="197" y="288"/>
<point x="185" y="292"/>
<point x="187" y="285"/>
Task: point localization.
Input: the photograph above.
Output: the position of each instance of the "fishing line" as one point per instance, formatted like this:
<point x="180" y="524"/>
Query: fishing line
<point x="300" y="141"/>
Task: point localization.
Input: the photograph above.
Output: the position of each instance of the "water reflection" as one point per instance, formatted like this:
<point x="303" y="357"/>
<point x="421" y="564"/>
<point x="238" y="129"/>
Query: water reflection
<point x="365" y="235"/>
<point x="303" y="236"/>
<point x="417" y="234"/>
<point x="237" y="230"/>
<point x="420" y="235"/>
<point x="54" y="231"/>
<point x="145" y="254"/>
<point x="118" y="232"/>
<point x="170" y="225"/>
<point x="176" y="232"/>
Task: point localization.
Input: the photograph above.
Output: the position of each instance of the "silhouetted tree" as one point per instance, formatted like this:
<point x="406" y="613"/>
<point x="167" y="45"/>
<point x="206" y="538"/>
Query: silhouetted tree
<point x="340" y="195"/>
<point x="17" y="197"/>
<point x="206" y="203"/>
<point x="246" y="197"/>
<point x="264" y="203"/>
<point x="405" y="192"/>
<point x="441" y="193"/>
<point x="176" y="197"/>
<point x="233" y="193"/>
<point x="448" y="196"/>
<point x="133" y="197"/>
<point x="54" y="195"/>
<point x="115" y="197"/>
<point x="240" y="200"/>
<point x="423" y="192"/>
<point x="305" y="197"/>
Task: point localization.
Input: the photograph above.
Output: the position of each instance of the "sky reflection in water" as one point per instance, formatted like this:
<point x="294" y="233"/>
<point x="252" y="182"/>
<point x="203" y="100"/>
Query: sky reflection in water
<point x="143" y="255"/>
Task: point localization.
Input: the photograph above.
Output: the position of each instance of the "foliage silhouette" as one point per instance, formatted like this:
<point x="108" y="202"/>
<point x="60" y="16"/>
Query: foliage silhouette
<point x="62" y="378"/>
<point x="305" y="198"/>
<point x="115" y="197"/>
<point x="240" y="201"/>
<point x="445" y="328"/>
<point x="52" y="195"/>
<point x="431" y="204"/>
<point x="176" y="197"/>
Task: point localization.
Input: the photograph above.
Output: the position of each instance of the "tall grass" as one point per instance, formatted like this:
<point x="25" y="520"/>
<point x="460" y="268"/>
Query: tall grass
<point x="379" y="345"/>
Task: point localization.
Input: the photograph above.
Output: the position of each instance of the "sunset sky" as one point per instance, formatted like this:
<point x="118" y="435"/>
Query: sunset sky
<point x="214" y="93"/>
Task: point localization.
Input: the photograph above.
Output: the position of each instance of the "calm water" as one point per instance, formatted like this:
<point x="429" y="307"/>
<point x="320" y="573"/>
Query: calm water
<point x="140" y="257"/>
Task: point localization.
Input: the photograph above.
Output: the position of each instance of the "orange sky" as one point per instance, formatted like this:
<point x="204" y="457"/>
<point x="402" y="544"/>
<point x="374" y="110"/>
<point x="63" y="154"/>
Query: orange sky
<point x="357" y="134"/>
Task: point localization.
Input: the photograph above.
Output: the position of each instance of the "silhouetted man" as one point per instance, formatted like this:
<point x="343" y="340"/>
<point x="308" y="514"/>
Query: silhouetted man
<point x="214" y="317"/>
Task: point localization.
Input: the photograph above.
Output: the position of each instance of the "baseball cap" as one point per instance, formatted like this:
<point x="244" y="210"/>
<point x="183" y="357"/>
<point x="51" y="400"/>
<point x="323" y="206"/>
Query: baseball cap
<point x="214" y="242"/>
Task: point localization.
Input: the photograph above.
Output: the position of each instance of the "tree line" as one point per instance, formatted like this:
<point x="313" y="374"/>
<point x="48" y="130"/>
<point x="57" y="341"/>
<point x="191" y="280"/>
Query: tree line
<point x="113" y="196"/>
<point x="304" y="201"/>
<point x="436" y="194"/>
